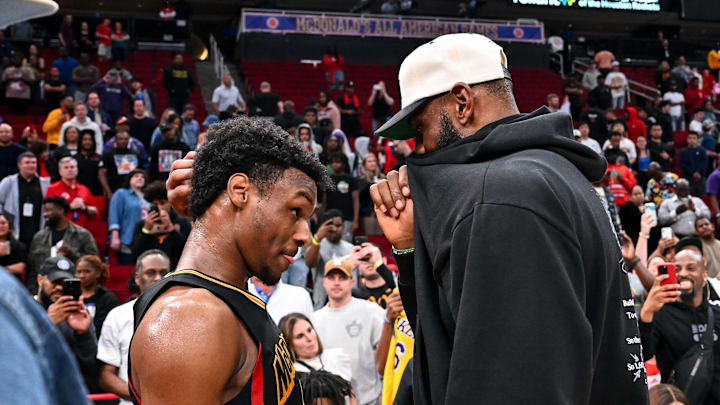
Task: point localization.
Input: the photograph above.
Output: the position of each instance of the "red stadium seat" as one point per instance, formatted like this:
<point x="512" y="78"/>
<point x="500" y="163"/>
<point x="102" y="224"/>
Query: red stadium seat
<point x="117" y="282"/>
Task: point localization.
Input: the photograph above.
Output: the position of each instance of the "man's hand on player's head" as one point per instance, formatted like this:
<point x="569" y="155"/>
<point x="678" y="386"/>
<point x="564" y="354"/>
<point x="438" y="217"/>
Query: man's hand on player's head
<point x="394" y="208"/>
<point x="178" y="184"/>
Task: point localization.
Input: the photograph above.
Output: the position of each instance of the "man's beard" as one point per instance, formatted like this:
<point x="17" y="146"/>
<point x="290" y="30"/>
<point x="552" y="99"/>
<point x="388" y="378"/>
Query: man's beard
<point x="448" y="133"/>
<point x="687" y="296"/>
<point x="52" y="222"/>
<point x="266" y="276"/>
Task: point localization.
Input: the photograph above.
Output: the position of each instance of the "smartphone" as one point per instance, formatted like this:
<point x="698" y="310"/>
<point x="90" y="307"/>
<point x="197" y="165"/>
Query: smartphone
<point x="71" y="286"/>
<point x="650" y="208"/>
<point x="155" y="209"/>
<point x="669" y="269"/>
<point x="359" y="240"/>
<point x="666" y="233"/>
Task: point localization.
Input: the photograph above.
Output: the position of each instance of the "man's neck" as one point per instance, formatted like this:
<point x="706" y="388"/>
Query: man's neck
<point x="209" y="250"/>
<point x="708" y="238"/>
<point x="659" y="140"/>
<point x="80" y="120"/>
<point x="5" y="144"/>
<point x="27" y="177"/>
<point x="374" y="281"/>
<point x="341" y="303"/>
<point x="63" y="225"/>
<point x="69" y="182"/>
<point x="141" y="116"/>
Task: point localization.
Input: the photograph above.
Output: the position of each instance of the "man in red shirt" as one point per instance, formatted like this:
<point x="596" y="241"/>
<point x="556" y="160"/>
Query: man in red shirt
<point x="618" y="178"/>
<point x="694" y="96"/>
<point x="102" y="33"/>
<point x="77" y="195"/>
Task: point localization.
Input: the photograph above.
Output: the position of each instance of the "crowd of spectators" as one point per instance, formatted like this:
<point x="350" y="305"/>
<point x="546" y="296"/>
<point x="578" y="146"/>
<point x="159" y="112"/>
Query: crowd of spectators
<point x="661" y="191"/>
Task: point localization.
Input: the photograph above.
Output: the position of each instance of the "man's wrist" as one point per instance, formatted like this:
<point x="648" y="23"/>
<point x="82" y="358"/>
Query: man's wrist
<point x="404" y="244"/>
<point x="314" y="240"/>
<point x="646" y="316"/>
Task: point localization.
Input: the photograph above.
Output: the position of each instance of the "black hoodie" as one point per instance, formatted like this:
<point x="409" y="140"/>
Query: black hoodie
<point x="675" y="329"/>
<point x="519" y="283"/>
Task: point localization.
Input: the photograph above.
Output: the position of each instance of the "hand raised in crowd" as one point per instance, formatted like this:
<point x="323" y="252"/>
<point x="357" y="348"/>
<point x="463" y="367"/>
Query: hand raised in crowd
<point x="323" y="230"/>
<point x="149" y="223"/>
<point x="628" y="248"/>
<point x="165" y="223"/>
<point x="178" y="184"/>
<point x="665" y="243"/>
<point x="367" y="252"/>
<point x="79" y="321"/>
<point x="394" y="208"/>
<point x="61" y="309"/>
<point x="394" y="306"/>
<point x="647" y="223"/>
<point x="658" y="296"/>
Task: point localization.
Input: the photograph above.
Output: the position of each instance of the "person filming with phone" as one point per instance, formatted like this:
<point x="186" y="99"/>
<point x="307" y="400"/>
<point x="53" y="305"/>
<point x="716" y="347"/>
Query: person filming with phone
<point x="682" y="210"/>
<point x="59" y="293"/>
<point x="673" y="327"/>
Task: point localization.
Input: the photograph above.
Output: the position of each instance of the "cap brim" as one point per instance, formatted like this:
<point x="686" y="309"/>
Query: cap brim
<point x="56" y="275"/>
<point x="340" y="269"/>
<point x="398" y="127"/>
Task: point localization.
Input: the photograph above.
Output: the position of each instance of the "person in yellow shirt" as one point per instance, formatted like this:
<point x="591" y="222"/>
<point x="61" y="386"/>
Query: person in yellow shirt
<point x="55" y="120"/>
<point x="395" y="349"/>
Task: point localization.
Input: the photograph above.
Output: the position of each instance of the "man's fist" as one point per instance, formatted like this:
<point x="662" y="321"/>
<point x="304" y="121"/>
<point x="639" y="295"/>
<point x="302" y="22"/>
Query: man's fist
<point x="394" y="208"/>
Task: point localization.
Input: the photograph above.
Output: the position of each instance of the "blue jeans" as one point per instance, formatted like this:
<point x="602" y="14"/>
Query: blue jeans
<point x="296" y="274"/>
<point x="338" y="82"/>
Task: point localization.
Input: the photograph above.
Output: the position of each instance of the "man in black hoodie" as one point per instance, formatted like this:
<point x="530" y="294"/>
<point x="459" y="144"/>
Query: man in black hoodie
<point x="674" y="317"/>
<point x="179" y="83"/>
<point x="510" y="271"/>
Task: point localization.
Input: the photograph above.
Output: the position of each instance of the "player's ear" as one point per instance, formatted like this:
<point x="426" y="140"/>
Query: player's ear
<point x="238" y="189"/>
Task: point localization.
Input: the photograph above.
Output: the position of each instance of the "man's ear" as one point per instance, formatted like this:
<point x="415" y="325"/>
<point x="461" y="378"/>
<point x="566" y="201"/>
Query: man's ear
<point x="238" y="189"/>
<point x="462" y="101"/>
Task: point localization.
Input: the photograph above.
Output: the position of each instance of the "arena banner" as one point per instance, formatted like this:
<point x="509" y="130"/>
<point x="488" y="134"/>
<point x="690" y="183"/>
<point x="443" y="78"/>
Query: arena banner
<point x="367" y="25"/>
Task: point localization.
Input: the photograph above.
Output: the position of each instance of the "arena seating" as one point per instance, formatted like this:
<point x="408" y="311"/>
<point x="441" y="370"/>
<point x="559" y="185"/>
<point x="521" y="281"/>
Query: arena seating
<point x="301" y="82"/>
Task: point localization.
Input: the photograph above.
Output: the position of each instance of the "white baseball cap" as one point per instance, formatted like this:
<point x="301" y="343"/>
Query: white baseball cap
<point x="433" y="68"/>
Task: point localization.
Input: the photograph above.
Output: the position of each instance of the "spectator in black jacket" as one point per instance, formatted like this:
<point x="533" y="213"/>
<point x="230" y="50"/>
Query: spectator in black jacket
<point x="375" y="281"/>
<point x="93" y="273"/>
<point x="660" y="152"/>
<point x="71" y="317"/>
<point x="157" y="231"/>
<point x="674" y="317"/>
<point x="600" y="97"/>
<point x="179" y="83"/>
<point x="166" y="152"/>
<point x="287" y="119"/>
<point x="663" y="118"/>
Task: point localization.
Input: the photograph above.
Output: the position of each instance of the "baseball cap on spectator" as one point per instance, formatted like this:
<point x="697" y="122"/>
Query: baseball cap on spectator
<point x="58" y="267"/>
<point x="615" y="63"/>
<point x="122" y="122"/>
<point x="339" y="264"/>
<point x="434" y="67"/>
<point x="708" y="124"/>
<point x="57" y="200"/>
<point x="688" y="242"/>
<point x="210" y="119"/>
<point x="576" y="133"/>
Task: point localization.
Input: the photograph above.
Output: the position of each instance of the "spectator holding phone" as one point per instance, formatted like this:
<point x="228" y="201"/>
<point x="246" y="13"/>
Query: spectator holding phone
<point x="157" y="230"/>
<point x="127" y="208"/>
<point x="69" y="314"/>
<point x="375" y="281"/>
<point x="326" y="244"/>
<point x="673" y="321"/>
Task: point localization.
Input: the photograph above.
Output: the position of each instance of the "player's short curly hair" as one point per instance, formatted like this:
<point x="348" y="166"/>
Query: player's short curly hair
<point x="255" y="147"/>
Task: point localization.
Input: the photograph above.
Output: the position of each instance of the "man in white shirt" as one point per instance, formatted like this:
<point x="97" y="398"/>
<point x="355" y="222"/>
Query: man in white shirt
<point x="82" y="122"/>
<point x="226" y="95"/>
<point x="626" y="145"/>
<point x="281" y="299"/>
<point x="618" y="84"/>
<point x="590" y="77"/>
<point x="117" y="331"/>
<point x="583" y="130"/>
<point x="677" y="104"/>
<point x="682" y="210"/>
<point x="353" y="325"/>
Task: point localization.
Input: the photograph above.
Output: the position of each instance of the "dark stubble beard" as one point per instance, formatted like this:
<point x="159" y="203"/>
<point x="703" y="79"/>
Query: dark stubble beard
<point x="448" y="134"/>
